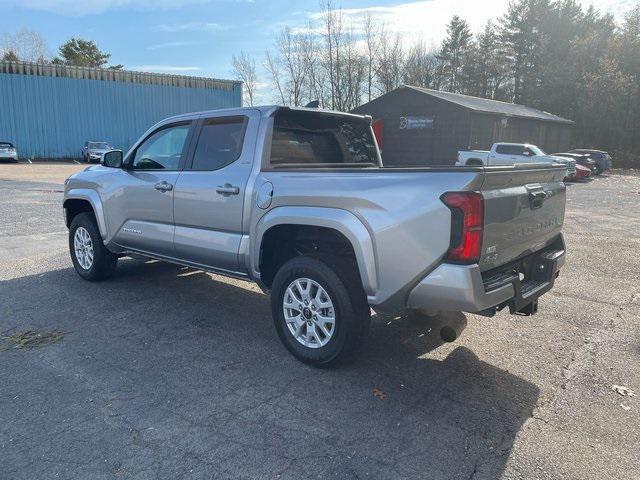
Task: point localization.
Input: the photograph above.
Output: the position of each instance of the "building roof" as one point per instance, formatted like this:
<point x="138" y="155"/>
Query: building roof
<point x="495" y="107"/>
<point x="90" y="73"/>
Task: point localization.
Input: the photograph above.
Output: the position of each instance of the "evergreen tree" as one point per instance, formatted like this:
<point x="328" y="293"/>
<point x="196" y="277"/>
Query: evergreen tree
<point x="82" y="53"/>
<point x="453" y="52"/>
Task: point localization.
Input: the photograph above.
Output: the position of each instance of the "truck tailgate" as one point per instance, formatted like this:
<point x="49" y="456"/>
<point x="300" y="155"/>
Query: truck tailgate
<point x="523" y="212"/>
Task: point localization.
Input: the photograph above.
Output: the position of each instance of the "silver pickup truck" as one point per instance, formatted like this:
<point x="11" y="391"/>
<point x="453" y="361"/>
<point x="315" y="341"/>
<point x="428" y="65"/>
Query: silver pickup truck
<point x="298" y="201"/>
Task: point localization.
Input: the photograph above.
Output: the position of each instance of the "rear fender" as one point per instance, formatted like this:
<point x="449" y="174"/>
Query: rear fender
<point x="344" y="222"/>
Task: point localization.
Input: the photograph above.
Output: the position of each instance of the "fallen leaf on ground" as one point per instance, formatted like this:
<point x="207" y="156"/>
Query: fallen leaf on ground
<point x="624" y="391"/>
<point x="379" y="394"/>
<point x="29" y="339"/>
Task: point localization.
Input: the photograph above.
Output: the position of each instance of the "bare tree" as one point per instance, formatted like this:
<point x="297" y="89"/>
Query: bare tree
<point x="421" y="67"/>
<point x="315" y="80"/>
<point x="353" y="74"/>
<point x="333" y="38"/>
<point x="291" y="50"/>
<point x="244" y="69"/>
<point x="391" y="62"/>
<point x="372" y="34"/>
<point x="26" y="45"/>
<point x="272" y="65"/>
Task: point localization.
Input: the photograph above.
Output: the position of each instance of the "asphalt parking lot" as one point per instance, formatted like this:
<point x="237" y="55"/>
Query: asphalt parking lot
<point x="166" y="372"/>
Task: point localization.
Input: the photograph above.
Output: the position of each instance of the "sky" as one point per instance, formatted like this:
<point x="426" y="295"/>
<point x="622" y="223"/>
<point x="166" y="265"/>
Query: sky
<point x="198" y="37"/>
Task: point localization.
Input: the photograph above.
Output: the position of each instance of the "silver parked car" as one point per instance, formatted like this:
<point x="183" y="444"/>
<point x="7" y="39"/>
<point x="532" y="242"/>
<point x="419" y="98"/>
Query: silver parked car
<point x="298" y="201"/>
<point x="92" y="151"/>
<point x="8" y="152"/>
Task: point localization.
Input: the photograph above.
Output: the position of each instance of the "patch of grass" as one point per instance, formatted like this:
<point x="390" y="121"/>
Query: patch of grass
<point x="29" y="339"/>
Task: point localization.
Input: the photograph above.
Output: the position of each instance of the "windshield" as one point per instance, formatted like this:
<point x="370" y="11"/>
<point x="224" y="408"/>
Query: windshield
<point x="99" y="145"/>
<point x="536" y="150"/>
<point x="5" y="145"/>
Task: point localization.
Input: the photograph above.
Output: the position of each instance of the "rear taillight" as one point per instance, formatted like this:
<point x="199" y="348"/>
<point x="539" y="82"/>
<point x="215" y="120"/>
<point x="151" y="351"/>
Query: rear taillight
<point x="467" y="222"/>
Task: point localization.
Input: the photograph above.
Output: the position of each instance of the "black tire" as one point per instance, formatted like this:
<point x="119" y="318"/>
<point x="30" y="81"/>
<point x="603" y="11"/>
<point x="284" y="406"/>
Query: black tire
<point x="341" y="281"/>
<point x="104" y="262"/>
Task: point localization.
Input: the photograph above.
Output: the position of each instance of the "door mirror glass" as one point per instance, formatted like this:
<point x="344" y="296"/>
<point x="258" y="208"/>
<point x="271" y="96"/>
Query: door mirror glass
<point x="112" y="158"/>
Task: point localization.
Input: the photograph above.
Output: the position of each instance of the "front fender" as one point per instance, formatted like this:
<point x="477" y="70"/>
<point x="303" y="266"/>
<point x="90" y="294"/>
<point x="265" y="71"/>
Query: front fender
<point x="341" y="220"/>
<point x="93" y="198"/>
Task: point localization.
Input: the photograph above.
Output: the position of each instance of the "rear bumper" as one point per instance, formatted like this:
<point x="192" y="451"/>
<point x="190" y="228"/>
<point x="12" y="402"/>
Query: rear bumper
<point x="465" y="288"/>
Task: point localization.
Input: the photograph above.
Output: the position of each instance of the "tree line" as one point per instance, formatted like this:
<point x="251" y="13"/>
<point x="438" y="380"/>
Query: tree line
<point x="29" y="46"/>
<point x="553" y="55"/>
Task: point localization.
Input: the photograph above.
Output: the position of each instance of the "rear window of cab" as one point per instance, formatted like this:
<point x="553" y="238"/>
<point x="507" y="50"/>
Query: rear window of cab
<point x="313" y="139"/>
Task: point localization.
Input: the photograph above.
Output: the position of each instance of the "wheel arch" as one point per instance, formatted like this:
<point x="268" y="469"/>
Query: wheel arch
<point x="83" y="200"/>
<point x="344" y="225"/>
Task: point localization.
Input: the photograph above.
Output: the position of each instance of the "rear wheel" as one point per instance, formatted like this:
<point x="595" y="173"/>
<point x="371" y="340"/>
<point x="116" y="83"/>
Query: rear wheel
<point x="91" y="259"/>
<point x="319" y="309"/>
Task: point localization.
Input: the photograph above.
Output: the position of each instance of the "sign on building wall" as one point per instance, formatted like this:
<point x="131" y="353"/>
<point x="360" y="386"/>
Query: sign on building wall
<point x="416" y="123"/>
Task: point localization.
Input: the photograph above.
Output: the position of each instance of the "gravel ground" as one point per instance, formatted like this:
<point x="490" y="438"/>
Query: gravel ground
<point x="166" y="372"/>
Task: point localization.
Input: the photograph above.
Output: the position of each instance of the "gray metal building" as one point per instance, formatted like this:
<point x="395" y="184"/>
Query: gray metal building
<point x="418" y="126"/>
<point x="49" y="111"/>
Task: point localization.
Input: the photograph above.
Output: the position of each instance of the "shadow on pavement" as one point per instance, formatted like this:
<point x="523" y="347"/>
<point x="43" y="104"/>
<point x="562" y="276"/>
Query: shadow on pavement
<point x="165" y="372"/>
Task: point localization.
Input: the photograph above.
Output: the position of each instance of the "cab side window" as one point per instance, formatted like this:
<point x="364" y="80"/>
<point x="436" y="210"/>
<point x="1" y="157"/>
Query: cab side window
<point x="162" y="150"/>
<point x="219" y="143"/>
<point x="509" y="150"/>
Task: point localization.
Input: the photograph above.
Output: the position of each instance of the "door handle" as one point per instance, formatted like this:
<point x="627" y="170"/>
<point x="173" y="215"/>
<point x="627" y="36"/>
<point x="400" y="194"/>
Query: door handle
<point x="163" y="186"/>
<point x="228" y="189"/>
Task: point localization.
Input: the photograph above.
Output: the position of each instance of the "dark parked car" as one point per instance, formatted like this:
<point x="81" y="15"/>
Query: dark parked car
<point x="8" y="152"/>
<point x="581" y="159"/>
<point x="602" y="158"/>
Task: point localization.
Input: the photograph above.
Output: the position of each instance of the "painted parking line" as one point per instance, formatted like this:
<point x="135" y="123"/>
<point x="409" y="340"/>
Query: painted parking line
<point x="29" y="161"/>
<point x="77" y="162"/>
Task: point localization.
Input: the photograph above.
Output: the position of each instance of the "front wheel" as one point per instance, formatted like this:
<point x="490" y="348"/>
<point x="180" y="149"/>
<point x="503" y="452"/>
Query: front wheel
<point x="320" y="309"/>
<point x="91" y="259"/>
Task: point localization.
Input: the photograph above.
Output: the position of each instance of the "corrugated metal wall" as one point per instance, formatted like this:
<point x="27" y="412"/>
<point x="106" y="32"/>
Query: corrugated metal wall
<point x="52" y="117"/>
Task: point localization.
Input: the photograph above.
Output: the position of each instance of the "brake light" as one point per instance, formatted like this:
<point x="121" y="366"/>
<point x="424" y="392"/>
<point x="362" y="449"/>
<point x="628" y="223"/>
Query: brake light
<point x="467" y="223"/>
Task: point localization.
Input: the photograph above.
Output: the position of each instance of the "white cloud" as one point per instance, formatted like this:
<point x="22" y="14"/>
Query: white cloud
<point x="427" y="19"/>
<point x="163" y="68"/>
<point x="160" y="46"/>
<point x="191" y="26"/>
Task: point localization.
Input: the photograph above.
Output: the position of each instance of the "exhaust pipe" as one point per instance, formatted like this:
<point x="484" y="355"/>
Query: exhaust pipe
<point x="449" y="334"/>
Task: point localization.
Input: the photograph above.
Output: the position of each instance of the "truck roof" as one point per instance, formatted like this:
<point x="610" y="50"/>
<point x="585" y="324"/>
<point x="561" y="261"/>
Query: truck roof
<point x="265" y="110"/>
<point x="516" y="144"/>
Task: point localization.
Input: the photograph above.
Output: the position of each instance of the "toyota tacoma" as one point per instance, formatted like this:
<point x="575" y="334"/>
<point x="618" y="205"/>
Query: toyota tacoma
<point x="298" y="201"/>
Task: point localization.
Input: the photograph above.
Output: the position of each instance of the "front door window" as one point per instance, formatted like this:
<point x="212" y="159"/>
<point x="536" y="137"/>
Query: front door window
<point x="162" y="150"/>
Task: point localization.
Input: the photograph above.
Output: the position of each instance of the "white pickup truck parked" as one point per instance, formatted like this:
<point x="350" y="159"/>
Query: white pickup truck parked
<point x="512" y="154"/>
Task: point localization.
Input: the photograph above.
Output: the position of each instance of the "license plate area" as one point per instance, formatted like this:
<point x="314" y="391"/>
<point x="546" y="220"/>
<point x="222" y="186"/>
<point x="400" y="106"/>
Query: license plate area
<point x="531" y="277"/>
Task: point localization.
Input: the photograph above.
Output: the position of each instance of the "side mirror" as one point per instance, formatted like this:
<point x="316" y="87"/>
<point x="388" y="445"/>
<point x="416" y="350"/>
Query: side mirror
<point x="112" y="158"/>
